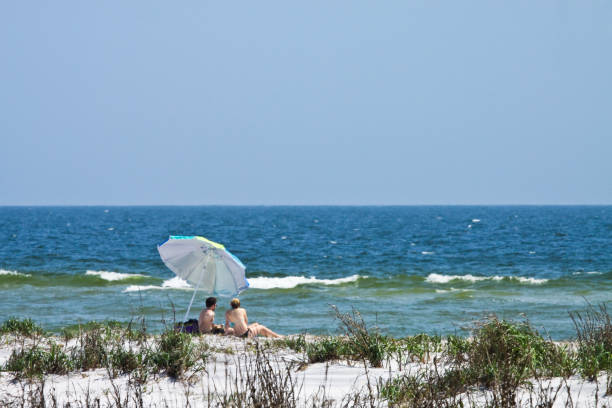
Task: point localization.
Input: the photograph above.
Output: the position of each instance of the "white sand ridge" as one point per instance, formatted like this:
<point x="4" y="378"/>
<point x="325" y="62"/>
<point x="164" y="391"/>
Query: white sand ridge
<point x="232" y="361"/>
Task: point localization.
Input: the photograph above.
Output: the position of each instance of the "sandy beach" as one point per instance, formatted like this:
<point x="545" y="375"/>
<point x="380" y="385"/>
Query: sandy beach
<point x="262" y="372"/>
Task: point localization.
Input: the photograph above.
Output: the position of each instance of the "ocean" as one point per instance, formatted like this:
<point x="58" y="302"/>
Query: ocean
<point x="406" y="269"/>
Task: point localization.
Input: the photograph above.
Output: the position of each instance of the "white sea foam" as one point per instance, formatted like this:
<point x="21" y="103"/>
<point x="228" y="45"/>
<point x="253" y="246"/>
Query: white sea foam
<point x="289" y="282"/>
<point x="427" y="252"/>
<point x="14" y="273"/>
<point x="475" y="220"/>
<point x="113" y="276"/>
<point x="453" y="290"/>
<point x="438" y="278"/>
<point x="174" y="283"/>
<point x="588" y="273"/>
<point x="533" y="281"/>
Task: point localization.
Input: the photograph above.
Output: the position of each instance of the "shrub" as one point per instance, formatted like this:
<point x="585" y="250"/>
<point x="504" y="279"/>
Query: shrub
<point x="457" y="348"/>
<point x="416" y="347"/>
<point x="502" y="348"/>
<point x="594" y="335"/>
<point x="92" y="351"/>
<point x="294" y="343"/>
<point x="36" y="361"/>
<point x="25" y="327"/>
<point x="425" y="389"/>
<point x="124" y="361"/>
<point x="503" y="355"/>
<point x="175" y="353"/>
<point x="326" y="349"/>
<point x="364" y="344"/>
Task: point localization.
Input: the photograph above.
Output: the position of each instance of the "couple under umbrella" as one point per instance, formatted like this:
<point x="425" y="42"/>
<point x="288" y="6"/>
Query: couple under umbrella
<point x="212" y="268"/>
<point x="236" y="315"/>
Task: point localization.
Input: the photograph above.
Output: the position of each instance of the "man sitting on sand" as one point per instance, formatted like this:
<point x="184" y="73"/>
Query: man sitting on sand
<point x="206" y="322"/>
<point x="238" y="316"/>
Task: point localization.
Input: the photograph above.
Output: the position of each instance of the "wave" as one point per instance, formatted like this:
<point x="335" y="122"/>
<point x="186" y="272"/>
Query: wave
<point x="131" y="282"/>
<point x="533" y="281"/>
<point x="588" y="273"/>
<point x="174" y="283"/>
<point x="437" y="278"/>
<point x="453" y="290"/>
<point x="14" y="273"/>
<point x="289" y="282"/>
<point x="78" y="279"/>
<point x="114" y="276"/>
<point x="263" y="283"/>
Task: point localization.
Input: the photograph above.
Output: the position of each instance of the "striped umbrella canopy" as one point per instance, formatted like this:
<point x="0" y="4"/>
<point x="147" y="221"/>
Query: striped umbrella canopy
<point x="205" y="264"/>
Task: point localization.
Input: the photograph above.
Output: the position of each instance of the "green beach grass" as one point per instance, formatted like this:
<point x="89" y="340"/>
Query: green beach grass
<point x="502" y="360"/>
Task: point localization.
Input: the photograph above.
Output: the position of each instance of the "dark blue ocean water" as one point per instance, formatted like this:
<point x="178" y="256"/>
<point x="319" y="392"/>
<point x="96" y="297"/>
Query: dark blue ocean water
<point x="431" y="269"/>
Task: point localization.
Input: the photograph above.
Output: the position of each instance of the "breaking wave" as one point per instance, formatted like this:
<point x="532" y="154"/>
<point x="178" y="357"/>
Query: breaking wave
<point x="14" y="273"/>
<point x="453" y="290"/>
<point x="289" y="282"/>
<point x="174" y="283"/>
<point x="438" y="278"/>
<point x="114" y="276"/>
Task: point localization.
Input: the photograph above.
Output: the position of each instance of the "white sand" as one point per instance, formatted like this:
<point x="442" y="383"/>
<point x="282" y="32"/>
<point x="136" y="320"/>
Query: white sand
<point x="334" y="381"/>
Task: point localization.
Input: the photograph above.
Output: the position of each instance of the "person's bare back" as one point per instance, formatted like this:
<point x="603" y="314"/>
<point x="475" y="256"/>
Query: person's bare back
<point x="206" y="321"/>
<point x="238" y="316"/>
<point x="207" y="316"/>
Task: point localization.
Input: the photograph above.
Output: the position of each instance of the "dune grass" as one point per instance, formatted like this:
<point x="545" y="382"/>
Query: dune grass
<point x="594" y="337"/>
<point x="501" y="358"/>
<point x="107" y="345"/>
<point x="24" y="327"/>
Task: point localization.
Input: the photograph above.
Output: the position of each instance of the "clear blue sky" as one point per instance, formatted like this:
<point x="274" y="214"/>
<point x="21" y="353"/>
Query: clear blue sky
<point x="313" y="102"/>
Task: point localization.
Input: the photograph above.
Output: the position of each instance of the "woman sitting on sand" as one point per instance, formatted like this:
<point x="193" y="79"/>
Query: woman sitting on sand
<point x="238" y="316"/>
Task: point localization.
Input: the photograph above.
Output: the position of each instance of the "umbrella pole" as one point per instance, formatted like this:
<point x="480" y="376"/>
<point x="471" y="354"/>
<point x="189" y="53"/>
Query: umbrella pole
<point x="193" y="297"/>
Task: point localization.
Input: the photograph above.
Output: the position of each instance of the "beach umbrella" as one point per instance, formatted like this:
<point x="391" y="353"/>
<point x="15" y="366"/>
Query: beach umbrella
<point x="205" y="264"/>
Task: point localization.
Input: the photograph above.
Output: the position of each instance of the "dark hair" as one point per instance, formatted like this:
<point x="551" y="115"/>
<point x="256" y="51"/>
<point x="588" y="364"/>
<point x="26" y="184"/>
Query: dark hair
<point x="211" y="301"/>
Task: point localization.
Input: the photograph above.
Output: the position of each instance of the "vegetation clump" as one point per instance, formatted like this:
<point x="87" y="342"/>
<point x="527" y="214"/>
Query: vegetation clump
<point x="362" y="343"/>
<point x="506" y="351"/>
<point x="103" y="345"/>
<point x="175" y="353"/>
<point x="594" y="336"/>
<point x="501" y="360"/>
<point x="501" y="357"/>
<point x="36" y="361"/>
<point x="25" y="327"/>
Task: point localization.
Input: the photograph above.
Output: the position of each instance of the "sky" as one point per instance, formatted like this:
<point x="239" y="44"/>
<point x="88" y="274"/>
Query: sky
<point x="305" y="103"/>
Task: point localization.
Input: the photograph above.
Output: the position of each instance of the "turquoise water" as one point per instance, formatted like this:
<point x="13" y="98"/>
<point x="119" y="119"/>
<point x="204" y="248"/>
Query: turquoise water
<point x="431" y="269"/>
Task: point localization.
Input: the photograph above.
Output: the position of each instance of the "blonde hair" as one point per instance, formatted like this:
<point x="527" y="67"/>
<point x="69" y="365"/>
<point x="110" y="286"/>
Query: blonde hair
<point x="235" y="303"/>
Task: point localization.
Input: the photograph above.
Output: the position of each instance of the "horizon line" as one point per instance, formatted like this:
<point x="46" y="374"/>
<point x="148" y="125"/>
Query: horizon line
<point x="310" y="205"/>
